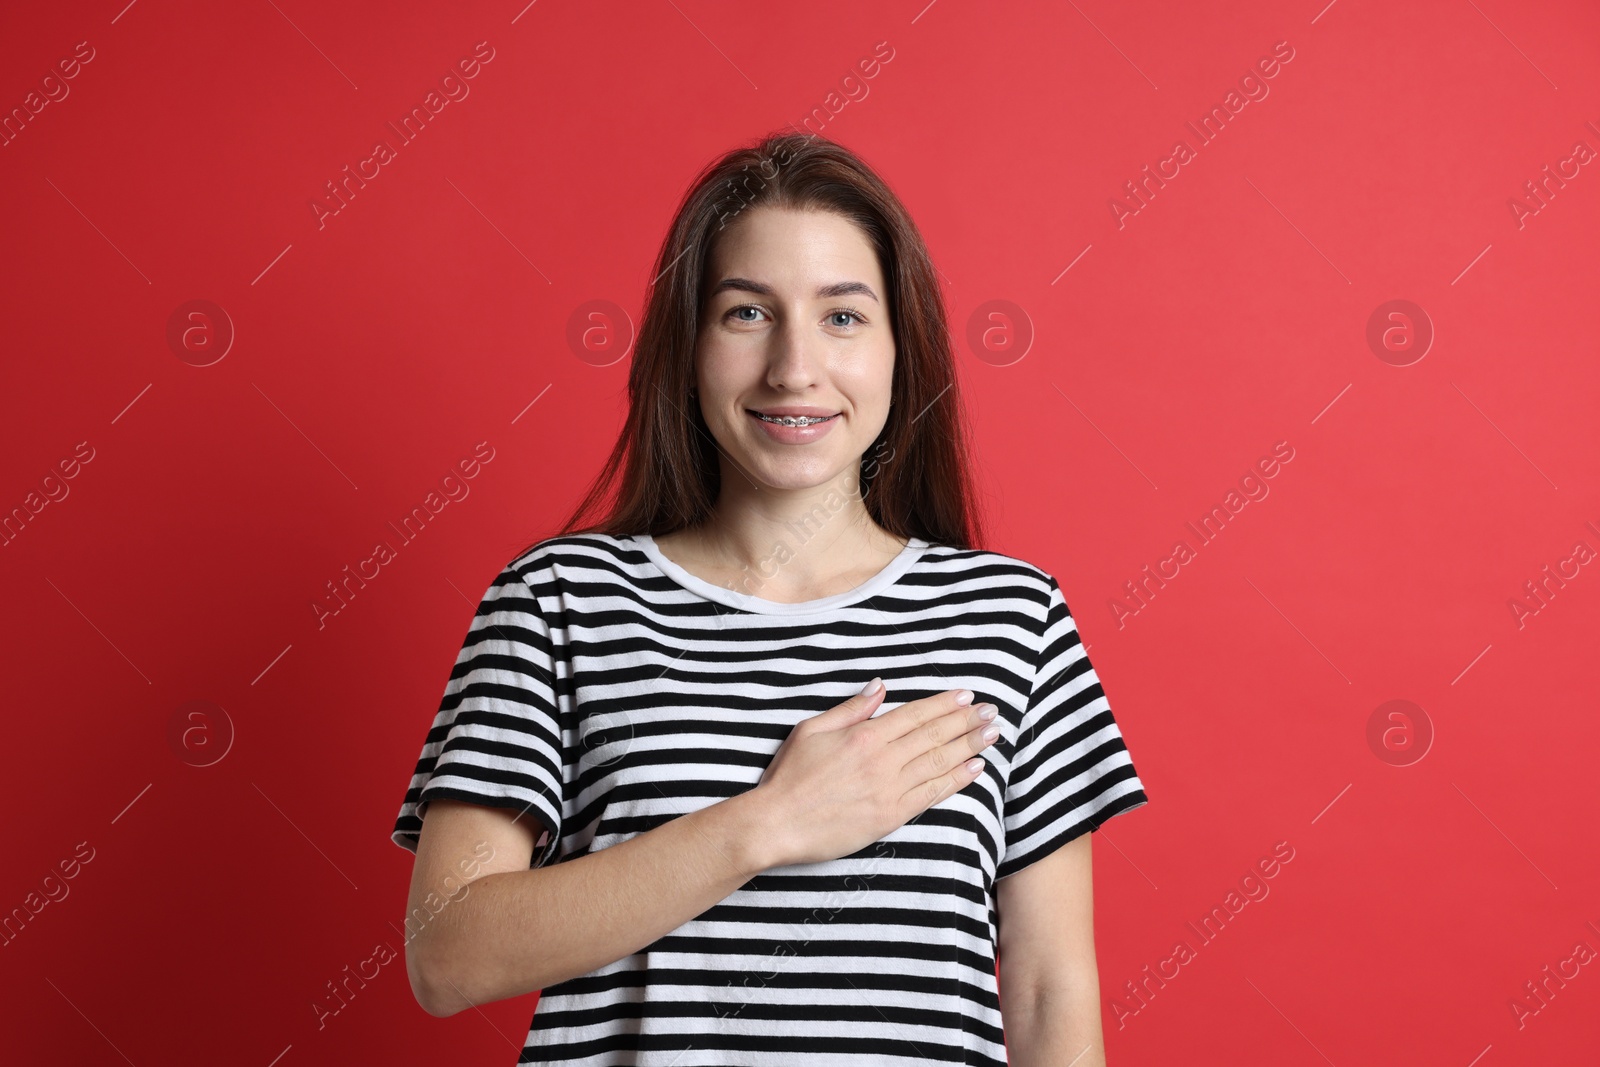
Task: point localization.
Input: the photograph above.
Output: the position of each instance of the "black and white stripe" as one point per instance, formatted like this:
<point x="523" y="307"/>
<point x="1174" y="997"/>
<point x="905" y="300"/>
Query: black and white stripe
<point x="606" y="690"/>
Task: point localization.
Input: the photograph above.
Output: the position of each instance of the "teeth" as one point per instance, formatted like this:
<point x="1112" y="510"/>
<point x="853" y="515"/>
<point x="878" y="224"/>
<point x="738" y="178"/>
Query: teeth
<point x="793" y="420"/>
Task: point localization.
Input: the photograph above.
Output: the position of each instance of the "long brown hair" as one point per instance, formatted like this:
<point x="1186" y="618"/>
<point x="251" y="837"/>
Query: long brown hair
<point x="916" y="477"/>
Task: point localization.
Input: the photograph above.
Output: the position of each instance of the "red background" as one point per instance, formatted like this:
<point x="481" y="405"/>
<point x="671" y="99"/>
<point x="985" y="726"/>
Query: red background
<point x="374" y="351"/>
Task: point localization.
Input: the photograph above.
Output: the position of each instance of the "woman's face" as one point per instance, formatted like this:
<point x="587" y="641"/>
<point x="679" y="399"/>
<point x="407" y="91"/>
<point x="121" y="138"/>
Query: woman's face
<point x="796" y="320"/>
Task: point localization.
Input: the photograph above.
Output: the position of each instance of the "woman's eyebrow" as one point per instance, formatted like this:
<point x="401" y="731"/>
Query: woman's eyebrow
<point x="825" y="292"/>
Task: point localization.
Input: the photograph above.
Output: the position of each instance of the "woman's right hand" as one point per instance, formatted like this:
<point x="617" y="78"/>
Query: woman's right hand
<point x="842" y="779"/>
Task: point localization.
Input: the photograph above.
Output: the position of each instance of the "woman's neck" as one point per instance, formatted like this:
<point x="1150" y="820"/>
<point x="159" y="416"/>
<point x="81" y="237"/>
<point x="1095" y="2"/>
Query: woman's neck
<point x="788" y="561"/>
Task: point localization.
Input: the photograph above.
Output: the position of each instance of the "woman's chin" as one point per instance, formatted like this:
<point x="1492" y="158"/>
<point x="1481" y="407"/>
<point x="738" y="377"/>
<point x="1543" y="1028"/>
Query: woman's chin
<point x="793" y="472"/>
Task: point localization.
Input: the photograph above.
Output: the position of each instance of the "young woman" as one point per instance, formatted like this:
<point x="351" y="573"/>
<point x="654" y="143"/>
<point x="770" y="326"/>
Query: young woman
<point x="664" y="786"/>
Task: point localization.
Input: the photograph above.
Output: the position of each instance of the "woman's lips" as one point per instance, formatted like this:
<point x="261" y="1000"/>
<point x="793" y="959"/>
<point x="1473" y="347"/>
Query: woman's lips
<point x="793" y="435"/>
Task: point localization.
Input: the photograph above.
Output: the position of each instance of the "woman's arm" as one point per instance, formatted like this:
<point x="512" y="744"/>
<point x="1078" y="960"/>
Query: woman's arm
<point x="839" y="782"/>
<point x="1049" y="981"/>
<point x="513" y="930"/>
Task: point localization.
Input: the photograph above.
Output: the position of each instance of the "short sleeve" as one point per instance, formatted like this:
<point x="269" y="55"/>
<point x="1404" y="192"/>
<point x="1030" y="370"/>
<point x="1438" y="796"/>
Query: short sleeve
<point x="1070" y="770"/>
<point x="496" y="739"/>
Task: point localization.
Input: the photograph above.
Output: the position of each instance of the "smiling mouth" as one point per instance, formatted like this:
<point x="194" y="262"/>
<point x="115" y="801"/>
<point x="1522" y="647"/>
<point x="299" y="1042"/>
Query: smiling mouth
<point x="793" y="420"/>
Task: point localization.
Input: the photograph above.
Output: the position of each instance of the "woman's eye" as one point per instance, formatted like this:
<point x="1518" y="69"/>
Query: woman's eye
<point x="834" y="317"/>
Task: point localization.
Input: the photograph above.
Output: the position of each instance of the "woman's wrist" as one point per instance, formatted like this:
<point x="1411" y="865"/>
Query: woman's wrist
<point x="752" y="832"/>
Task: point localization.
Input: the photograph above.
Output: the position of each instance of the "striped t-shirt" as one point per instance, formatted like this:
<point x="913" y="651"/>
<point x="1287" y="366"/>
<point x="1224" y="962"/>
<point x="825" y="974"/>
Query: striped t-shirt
<point x="607" y="690"/>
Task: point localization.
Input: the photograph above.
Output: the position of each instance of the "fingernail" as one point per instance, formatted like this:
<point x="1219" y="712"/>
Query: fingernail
<point x="872" y="687"/>
<point x="964" y="698"/>
<point x="986" y="712"/>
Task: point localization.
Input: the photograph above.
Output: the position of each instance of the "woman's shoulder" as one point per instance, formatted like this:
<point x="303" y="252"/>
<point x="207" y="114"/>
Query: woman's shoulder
<point x="586" y="549"/>
<point x="988" y="576"/>
<point x="1000" y="566"/>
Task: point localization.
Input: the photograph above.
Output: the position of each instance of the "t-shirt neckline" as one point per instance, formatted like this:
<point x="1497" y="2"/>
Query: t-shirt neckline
<point x="886" y="577"/>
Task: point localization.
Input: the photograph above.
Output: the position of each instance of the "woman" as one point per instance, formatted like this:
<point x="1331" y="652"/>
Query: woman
<point x="662" y="786"/>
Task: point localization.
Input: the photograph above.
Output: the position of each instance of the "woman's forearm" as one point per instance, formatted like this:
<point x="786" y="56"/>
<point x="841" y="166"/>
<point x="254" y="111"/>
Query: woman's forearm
<point x="520" y="931"/>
